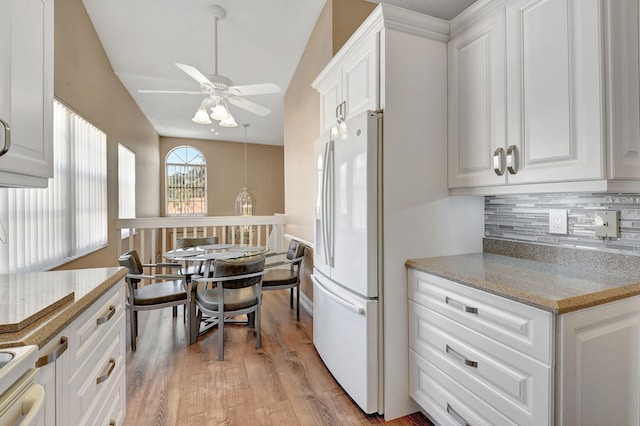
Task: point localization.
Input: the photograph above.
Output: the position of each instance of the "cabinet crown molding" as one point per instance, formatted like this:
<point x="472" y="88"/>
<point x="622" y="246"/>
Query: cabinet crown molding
<point x="474" y="12"/>
<point x="386" y="16"/>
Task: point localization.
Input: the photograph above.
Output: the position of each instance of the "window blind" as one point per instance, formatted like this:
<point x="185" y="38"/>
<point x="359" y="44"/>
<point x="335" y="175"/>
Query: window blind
<point x="43" y="227"/>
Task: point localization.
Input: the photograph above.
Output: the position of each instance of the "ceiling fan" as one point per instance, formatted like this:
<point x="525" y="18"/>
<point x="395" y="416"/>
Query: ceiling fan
<point x="219" y="89"/>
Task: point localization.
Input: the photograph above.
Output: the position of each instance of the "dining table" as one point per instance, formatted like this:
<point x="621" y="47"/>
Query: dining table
<point x="199" y="260"/>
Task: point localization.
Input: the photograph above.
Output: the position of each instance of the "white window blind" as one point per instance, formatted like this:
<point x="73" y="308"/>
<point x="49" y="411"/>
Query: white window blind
<point x="45" y="227"/>
<point x="126" y="185"/>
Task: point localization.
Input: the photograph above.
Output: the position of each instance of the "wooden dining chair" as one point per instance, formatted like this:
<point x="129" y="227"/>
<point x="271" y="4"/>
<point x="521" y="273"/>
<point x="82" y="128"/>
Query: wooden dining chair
<point x="234" y="289"/>
<point x="161" y="290"/>
<point x="285" y="274"/>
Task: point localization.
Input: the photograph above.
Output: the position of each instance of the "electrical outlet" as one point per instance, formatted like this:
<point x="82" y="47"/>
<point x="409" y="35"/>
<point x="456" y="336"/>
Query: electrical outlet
<point x="607" y="223"/>
<point x="558" y="222"/>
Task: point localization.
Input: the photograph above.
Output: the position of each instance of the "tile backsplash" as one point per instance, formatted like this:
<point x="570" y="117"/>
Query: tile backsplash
<point x="525" y="218"/>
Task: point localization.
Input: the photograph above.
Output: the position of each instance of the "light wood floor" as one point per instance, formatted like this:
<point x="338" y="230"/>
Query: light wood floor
<point x="283" y="383"/>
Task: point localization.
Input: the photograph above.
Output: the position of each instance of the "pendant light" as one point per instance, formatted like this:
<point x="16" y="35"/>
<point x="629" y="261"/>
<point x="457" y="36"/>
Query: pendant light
<point x="245" y="201"/>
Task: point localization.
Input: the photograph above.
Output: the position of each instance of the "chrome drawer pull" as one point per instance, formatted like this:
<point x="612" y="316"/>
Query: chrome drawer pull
<point x="112" y="312"/>
<point x="54" y="354"/>
<point x="112" y="365"/>
<point x="512" y="159"/>
<point x="465" y="308"/>
<point x="461" y="357"/>
<point x="457" y="416"/>
<point x="499" y="161"/>
<point x="7" y="137"/>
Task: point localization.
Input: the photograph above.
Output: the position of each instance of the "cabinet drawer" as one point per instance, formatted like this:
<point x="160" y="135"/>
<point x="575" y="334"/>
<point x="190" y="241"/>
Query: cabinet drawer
<point x="94" y="323"/>
<point x="447" y="401"/>
<point x="516" y="385"/>
<point x="91" y="382"/>
<point x="112" y="410"/>
<point x="516" y="325"/>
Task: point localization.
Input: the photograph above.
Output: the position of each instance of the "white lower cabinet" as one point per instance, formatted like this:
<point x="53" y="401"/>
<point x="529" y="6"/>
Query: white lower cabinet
<point x="480" y="359"/>
<point x="84" y="380"/>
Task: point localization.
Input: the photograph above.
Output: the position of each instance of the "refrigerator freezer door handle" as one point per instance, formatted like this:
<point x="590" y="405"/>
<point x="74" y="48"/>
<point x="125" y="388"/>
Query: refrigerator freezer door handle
<point x="352" y="307"/>
<point x="325" y="199"/>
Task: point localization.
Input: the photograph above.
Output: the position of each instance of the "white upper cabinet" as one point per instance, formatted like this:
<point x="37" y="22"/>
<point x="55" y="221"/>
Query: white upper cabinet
<point x="477" y="103"/>
<point x="623" y="87"/>
<point x="26" y="92"/>
<point x="555" y="102"/>
<point x="352" y="87"/>
<point x="544" y="95"/>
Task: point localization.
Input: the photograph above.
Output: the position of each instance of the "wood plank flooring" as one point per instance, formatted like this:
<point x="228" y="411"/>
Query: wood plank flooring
<point x="283" y="383"/>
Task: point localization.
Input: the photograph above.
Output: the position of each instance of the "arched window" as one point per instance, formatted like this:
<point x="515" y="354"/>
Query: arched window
<point x="186" y="182"/>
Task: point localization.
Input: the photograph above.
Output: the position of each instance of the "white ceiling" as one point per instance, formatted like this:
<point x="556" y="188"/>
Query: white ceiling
<point x="259" y="41"/>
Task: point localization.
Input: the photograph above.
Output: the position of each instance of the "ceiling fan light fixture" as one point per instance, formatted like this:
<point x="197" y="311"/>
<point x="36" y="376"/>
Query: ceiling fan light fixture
<point x="220" y="112"/>
<point x="201" y="117"/>
<point x="229" y="122"/>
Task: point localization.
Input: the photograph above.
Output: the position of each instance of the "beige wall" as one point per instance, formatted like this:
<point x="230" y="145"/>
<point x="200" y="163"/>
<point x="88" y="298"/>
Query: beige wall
<point x="84" y="80"/>
<point x="225" y="174"/>
<point x="337" y="21"/>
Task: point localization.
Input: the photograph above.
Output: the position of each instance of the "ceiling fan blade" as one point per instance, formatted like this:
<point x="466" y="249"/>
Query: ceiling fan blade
<point x="186" y="92"/>
<point x="195" y="74"/>
<point x="249" y="106"/>
<point x="255" y="89"/>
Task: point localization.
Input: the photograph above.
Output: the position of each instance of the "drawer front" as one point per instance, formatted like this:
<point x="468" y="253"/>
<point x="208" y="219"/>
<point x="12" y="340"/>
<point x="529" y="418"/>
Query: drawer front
<point x="91" y="326"/>
<point x="516" y="385"/>
<point x="447" y="401"/>
<point x="91" y="382"/>
<point x="113" y="409"/>
<point x="516" y="325"/>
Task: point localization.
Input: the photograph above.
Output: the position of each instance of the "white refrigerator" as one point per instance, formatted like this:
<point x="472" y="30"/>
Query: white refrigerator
<point x="346" y="280"/>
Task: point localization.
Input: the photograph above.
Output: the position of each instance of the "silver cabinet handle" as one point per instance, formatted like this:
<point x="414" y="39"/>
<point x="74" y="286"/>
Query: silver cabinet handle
<point x="7" y="137"/>
<point x="106" y="318"/>
<point x="512" y="159"/>
<point x="54" y="354"/>
<point x="468" y="309"/>
<point x="499" y="161"/>
<point x="457" y="416"/>
<point x="461" y="357"/>
<point x="338" y="112"/>
<point x="105" y="376"/>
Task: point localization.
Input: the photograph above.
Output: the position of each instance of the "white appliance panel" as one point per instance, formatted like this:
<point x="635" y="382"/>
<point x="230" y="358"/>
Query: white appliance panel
<point x="345" y="334"/>
<point x="354" y="204"/>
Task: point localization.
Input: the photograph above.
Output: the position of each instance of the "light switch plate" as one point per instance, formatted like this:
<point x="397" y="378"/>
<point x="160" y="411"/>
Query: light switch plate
<point x="607" y="223"/>
<point x="558" y="222"/>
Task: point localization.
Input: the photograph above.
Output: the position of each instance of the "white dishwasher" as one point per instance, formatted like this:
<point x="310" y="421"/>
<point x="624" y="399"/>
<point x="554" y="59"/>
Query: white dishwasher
<point x="21" y="396"/>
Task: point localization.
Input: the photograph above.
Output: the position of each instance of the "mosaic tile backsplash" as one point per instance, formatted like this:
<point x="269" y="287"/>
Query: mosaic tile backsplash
<point x="525" y="218"/>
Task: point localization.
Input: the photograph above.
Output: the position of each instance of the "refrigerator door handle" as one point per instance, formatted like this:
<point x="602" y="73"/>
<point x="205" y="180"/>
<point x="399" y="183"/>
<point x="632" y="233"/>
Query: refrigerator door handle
<point x="330" y="201"/>
<point x="325" y="199"/>
<point x="352" y="307"/>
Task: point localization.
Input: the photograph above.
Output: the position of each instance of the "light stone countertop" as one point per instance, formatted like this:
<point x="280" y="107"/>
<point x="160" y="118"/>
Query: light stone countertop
<point x="17" y="303"/>
<point x="552" y="287"/>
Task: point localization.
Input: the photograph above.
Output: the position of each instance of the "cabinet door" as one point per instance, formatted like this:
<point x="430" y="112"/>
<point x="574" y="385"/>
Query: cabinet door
<point x="360" y="77"/>
<point x="330" y="99"/>
<point x="477" y="114"/>
<point x="599" y="359"/>
<point x="554" y="90"/>
<point x="5" y="68"/>
<point x="623" y="87"/>
<point x="29" y="160"/>
<point x="53" y="364"/>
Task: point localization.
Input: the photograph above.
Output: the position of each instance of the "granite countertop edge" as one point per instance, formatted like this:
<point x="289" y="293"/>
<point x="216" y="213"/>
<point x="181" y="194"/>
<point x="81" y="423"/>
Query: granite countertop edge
<point x="563" y="306"/>
<point x="559" y="265"/>
<point x="42" y="331"/>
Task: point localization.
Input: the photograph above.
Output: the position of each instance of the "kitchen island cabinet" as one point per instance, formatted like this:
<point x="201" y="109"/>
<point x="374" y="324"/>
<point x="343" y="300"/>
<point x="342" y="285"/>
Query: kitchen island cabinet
<point x="26" y="92"/>
<point x="81" y="340"/>
<point x="500" y="340"/>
